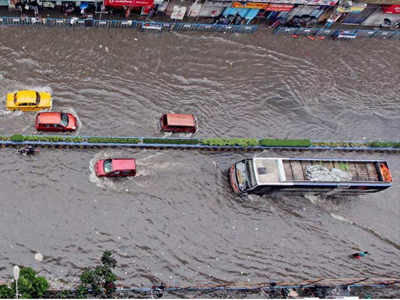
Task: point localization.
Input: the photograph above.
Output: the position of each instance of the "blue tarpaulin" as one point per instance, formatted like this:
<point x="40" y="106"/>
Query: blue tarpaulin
<point x="83" y="5"/>
<point x="247" y="13"/>
<point x="251" y="14"/>
<point x="243" y="12"/>
<point x="230" y="11"/>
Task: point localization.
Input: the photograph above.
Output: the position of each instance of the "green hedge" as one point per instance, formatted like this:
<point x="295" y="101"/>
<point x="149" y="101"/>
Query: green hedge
<point x="230" y="142"/>
<point x="384" y="144"/>
<point x="244" y="142"/>
<point x="339" y="144"/>
<point x="171" y="141"/>
<point x="113" y="140"/>
<point x="285" y="143"/>
<point x="17" y="138"/>
<point x="374" y="144"/>
<point x="36" y="138"/>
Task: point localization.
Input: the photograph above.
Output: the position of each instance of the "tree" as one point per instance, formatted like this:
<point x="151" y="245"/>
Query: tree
<point x="29" y="285"/>
<point x="6" y="292"/>
<point x="99" y="280"/>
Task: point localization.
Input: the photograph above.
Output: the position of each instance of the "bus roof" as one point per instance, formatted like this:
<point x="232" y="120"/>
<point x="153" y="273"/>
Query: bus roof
<point x="288" y="170"/>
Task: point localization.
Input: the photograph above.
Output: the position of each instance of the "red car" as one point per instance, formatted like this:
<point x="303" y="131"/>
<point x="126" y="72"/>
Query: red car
<point x="178" y="123"/>
<point x="115" y="167"/>
<point x="55" y="121"/>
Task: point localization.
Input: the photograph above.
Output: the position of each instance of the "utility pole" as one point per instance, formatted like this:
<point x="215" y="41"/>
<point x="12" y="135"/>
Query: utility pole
<point x="16" y="277"/>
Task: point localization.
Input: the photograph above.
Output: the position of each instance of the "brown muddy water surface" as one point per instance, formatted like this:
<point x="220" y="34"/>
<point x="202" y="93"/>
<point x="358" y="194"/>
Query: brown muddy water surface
<point x="178" y="220"/>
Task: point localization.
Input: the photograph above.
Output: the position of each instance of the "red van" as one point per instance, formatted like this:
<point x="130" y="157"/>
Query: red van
<point x="178" y="123"/>
<point x="55" y="121"/>
<point x="115" y="167"/>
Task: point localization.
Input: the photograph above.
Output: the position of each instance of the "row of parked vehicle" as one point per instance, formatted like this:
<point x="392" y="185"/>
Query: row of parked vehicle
<point x="30" y="100"/>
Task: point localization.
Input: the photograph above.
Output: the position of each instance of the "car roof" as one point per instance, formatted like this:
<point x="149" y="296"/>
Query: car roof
<point x="50" y="118"/>
<point x="121" y="164"/>
<point x="181" y="120"/>
<point x="26" y="96"/>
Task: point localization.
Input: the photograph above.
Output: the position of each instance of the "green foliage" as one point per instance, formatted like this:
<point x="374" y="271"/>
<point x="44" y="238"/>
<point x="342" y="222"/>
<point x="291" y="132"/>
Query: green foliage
<point x="53" y="138"/>
<point x="170" y="141"/>
<point x="31" y="138"/>
<point x="230" y="142"/>
<point x="343" y="166"/>
<point x="17" y="138"/>
<point x="48" y="138"/>
<point x="29" y="285"/>
<point x="374" y="144"/>
<point x="244" y="142"/>
<point x="113" y="140"/>
<point x="99" y="280"/>
<point x="6" y="292"/>
<point x="338" y="144"/>
<point x="285" y="143"/>
<point x="108" y="261"/>
<point x="384" y="144"/>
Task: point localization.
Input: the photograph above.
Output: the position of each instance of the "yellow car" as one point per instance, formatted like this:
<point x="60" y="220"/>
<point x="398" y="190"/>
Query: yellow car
<point x="28" y="100"/>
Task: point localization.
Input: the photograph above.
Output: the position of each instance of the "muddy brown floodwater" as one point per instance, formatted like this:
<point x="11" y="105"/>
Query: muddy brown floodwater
<point x="178" y="220"/>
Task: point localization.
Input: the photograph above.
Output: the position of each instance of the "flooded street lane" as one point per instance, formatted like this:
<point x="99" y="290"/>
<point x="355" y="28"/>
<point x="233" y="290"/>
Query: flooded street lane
<point x="178" y="220"/>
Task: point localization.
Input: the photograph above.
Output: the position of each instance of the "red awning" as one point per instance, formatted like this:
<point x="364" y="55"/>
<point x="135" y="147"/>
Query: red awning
<point x="391" y="9"/>
<point x="279" y="7"/>
<point x="130" y="3"/>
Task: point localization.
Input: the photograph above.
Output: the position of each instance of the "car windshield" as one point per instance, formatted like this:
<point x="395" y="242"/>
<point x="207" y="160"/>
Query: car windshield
<point x="244" y="175"/>
<point x="37" y="98"/>
<point x="107" y="166"/>
<point x="64" y="119"/>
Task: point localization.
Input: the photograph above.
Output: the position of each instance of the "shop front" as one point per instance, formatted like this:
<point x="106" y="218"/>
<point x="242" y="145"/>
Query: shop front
<point x="213" y="8"/>
<point x="129" y="5"/>
<point x="391" y="9"/>
<point x="385" y="16"/>
<point x="356" y="14"/>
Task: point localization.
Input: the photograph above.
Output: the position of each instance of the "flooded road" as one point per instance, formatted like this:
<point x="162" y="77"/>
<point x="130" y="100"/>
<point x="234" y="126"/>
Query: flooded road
<point x="178" y="221"/>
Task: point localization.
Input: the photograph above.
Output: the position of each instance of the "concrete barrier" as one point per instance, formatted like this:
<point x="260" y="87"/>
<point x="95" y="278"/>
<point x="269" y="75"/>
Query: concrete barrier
<point x="335" y="33"/>
<point x="184" y="144"/>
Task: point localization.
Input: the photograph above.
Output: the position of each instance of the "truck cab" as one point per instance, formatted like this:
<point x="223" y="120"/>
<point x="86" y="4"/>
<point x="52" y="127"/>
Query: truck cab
<point x="242" y="176"/>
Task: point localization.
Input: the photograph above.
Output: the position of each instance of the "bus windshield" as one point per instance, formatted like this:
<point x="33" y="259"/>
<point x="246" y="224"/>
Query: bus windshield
<point x="244" y="175"/>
